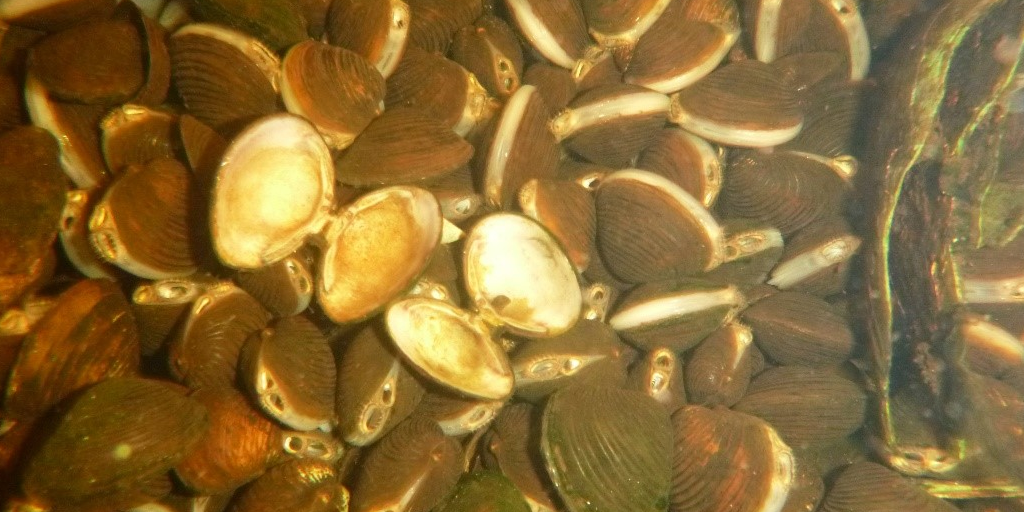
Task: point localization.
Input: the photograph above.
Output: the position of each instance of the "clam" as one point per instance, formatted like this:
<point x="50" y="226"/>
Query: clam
<point x="285" y="288"/>
<point x="290" y="370"/>
<point x="457" y="195"/>
<point x="557" y="30"/>
<point x="817" y="259"/>
<point x="305" y="485"/>
<point x="490" y="50"/>
<point x="338" y="90"/>
<point x="450" y="346"/>
<point x="618" y="25"/>
<point x="277" y="24"/>
<point x="142" y="224"/>
<point x="991" y="350"/>
<point x="484" y="490"/>
<point x="719" y="369"/>
<point x="727" y="460"/>
<point x="517" y="275"/>
<point x="677" y="314"/>
<point x="650" y="228"/>
<point x="555" y="84"/>
<point x="596" y="68"/>
<point x="752" y="250"/>
<point x="54" y="14"/>
<point x="566" y="209"/>
<point x="377" y="248"/>
<point x="161" y="306"/>
<point x="800" y="329"/>
<point x="689" y="161"/>
<point x="607" y="449"/>
<point x="456" y="415"/>
<point x="202" y="146"/>
<point x="869" y="487"/>
<point x="75" y="239"/>
<point x="378" y="31"/>
<point x="135" y="134"/>
<point x="434" y="22"/>
<point x="512" y="446"/>
<point x="659" y="374"/>
<point x="274" y="187"/>
<point x="831" y="117"/>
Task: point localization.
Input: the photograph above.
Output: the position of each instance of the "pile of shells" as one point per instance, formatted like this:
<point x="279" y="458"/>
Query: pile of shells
<point x="450" y="255"/>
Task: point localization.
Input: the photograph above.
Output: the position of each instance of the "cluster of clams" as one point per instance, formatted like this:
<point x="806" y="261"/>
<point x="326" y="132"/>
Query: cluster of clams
<point x="469" y="256"/>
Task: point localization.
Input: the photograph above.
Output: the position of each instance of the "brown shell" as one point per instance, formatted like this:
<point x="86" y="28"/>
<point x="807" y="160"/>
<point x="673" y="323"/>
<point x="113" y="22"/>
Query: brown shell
<point x="800" y="329"/>
<point x="818" y="259"/>
<point x="225" y="78"/>
<point x="631" y="119"/>
<point x="156" y="55"/>
<point x="142" y="224"/>
<point x="719" y="369"/>
<point x="567" y="210"/>
<point x="238" y="446"/>
<point x="402" y="145"/>
<point x="557" y="30"/>
<point x="137" y="430"/>
<point x="512" y="446"/>
<point x="160" y="306"/>
<point x="434" y="84"/>
<point x="775" y="27"/>
<point x="870" y="487"/>
<point x="622" y="16"/>
<point x="415" y="464"/>
<point x="279" y="24"/>
<point x="376" y="30"/>
<point x="205" y="351"/>
<point x="338" y="90"/>
<point x="490" y="50"/>
<point x="289" y="369"/>
<point x="134" y="135"/>
<point x="375" y="390"/>
<point x="74" y="235"/>
<point x="457" y="415"/>
<point x="752" y="249"/>
<point x="555" y="84"/>
<point x="687" y="160"/>
<point x="88" y="336"/>
<point x="46" y="17"/>
<point x="202" y="146"/>
<point x="457" y="195"/>
<point x="434" y="22"/>
<point x="304" y="485"/>
<point x="659" y="375"/>
<point x="285" y="288"/>
<point x="831" y="119"/>
<point x="806" y="405"/>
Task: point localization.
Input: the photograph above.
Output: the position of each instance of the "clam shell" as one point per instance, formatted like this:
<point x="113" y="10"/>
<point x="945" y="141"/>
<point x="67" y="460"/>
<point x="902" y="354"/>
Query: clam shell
<point x="807" y="71"/>
<point x="831" y="118"/>
<point x="137" y="430"/>
<point x="521" y="148"/>
<point x="456" y="415"/>
<point x="285" y="288"/>
<point x="434" y="22"/>
<point x="817" y="260"/>
<point x="278" y="24"/>
<point x="274" y="187"/>
<point x="490" y="50"/>
<point x="745" y="103"/>
<point x="512" y="446"/>
<point x="202" y="146"/>
<point x="238" y="446"/>
<point x="837" y="26"/>
<point x="300" y="485"/>
<point x="377" y="248"/>
<point x="135" y="134"/>
<point x="659" y="375"/>
<point x="650" y="228"/>
<point x="54" y="15"/>
<point x="752" y="250"/>
<point x="596" y="68"/>
<point x="457" y="195"/>
<point x="336" y="89"/>
<point x="806" y="406"/>
<point x="719" y="369"/>
<point x="689" y="161"/>
<point x="402" y="145"/>
<point x="411" y="469"/>
<point x="205" y="351"/>
<point x="776" y="26"/>
<point x="142" y="222"/>
<point x="160" y="306"/>
<point x="993" y="275"/>
<point x="378" y="31"/>
<point x="74" y="235"/>
<point x="557" y="30"/>
<point x="796" y="328"/>
<point x="727" y="460"/>
<point x="992" y="350"/>
<point x="89" y="335"/>
<point x="517" y="275"/>
<point x="870" y="487"/>
<point x="677" y="314"/>
<point x="607" y="449"/>
<point x="484" y="490"/>
<point x="567" y="210"/>
<point x="375" y="390"/>
<point x="156" y="55"/>
<point x="610" y="124"/>
<point x="621" y="23"/>
<point x="225" y="78"/>
<point x="555" y="84"/>
<point x="451" y="347"/>
<point x="289" y="369"/>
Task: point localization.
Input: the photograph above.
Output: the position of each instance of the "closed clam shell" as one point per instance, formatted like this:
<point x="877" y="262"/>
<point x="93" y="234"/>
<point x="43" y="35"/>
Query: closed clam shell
<point x="135" y="134"/>
<point x="838" y="27"/>
<point x="457" y="415"/>
<point x="413" y="468"/>
<point x="557" y="30"/>
<point x="160" y="306"/>
<point x="375" y="390"/>
<point x="402" y="145"/>
<point x="434" y="22"/>
<point x="285" y="288"/>
<point x="74" y="235"/>
<point x="589" y="353"/>
<point x="378" y="31"/>
<point x="142" y="224"/>
<point x="137" y="429"/>
<point x="450" y="346"/>
<point x="277" y="24"/>
<point x="830" y="119"/>
<point x="202" y="146"/>
<point x="567" y="210"/>
<point x="677" y="314"/>
<point x="457" y="195"/>
<point x="752" y="250"/>
<point x="512" y="446"/>
<point x="338" y="90"/>
<point x="377" y="248"/>
<point x="785" y="190"/>
<point x="289" y="369"/>
<point x="775" y="26"/>
<point x="689" y="161"/>
<point x="608" y="449"/>
<point x="520" y="148"/>
<point x="89" y="335"/>
<point x="239" y="445"/>
<point x="745" y="103"/>
<point x="650" y="228"/>
<point x="621" y="23"/>
<point x="482" y="491"/>
<point x="610" y="124"/>
<point x="797" y="328"/>
<point x="305" y="485"/>
<point x="659" y="374"/>
<point x="490" y="50"/>
<point x="205" y="351"/>
<point x="55" y="14"/>
<point x="517" y="275"/>
<point x="719" y="369"/>
<point x="274" y="187"/>
<point x="555" y="84"/>
<point x="807" y="406"/>
<point x="870" y="487"/>
<point x="817" y="260"/>
<point x="225" y="78"/>
<point x="727" y="460"/>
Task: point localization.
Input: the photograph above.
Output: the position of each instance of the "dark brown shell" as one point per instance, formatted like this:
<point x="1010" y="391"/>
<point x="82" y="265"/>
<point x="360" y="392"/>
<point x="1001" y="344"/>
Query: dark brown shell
<point x="554" y="83"/>
<point x="434" y="22"/>
<point x="376" y="30"/>
<point x="796" y="328"/>
<point x="160" y="306"/>
<point x="304" y="485"/>
<point x="567" y="210"/>
<point x="436" y="85"/>
<point x="630" y="119"/>
<point x="74" y="127"/>
<point x="611" y="18"/>
<point x="719" y="369"/>
<point x="687" y="160"/>
<point x="557" y="30"/>
<point x="457" y="415"/>
<point x="279" y="24"/>
<point x="44" y="17"/>
<point x="832" y="113"/>
<point x="285" y="288"/>
<point x="818" y="259"/>
<point x="490" y="50"/>
<point x="752" y="249"/>
<point x="659" y="375"/>
<point x="74" y="235"/>
<point x="134" y="135"/>
<point x="870" y="487"/>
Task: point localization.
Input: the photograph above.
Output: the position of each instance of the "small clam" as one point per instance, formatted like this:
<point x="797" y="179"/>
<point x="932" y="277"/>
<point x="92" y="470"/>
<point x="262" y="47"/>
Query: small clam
<point x="512" y="446"/>
<point x="555" y="84"/>
<point x="161" y="306"/>
<point x="481" y="491"/>
<point x="490" y="50"/>
<point x="135" y="134"/>
<point x="457" y="415"/>
<point x="434" y="22"/>
<point x="518" y="276"/>
<point x="567" y="210"/>
<point x="74" y="235"/>
<point x="618" y="25"/>
<point x="202" y="146"/>
<point x="285" y="288"/>
<point x="54" y="14"/>
<point x="800" y="329"/>
<point x="557" y="30"/>
<point x="831" y="118"/>
<point x="752" y="250"/>
<point x="719" y="369"/>
<point x="659" y="374"/>
<point x="992" y="351"/>
<point x="871" y="487"/>
<point x="817" y="259"/>
<point x="596" y="68"/>
<point x="304" y="485"/>
<point x="689" y="161"/>
<point x="378" y="31"/>
<point x="277" y="24"/>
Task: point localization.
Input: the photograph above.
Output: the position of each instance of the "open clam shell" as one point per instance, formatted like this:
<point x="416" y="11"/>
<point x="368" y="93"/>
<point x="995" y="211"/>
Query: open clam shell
<point x="490" y="50"/>
<point x="378" y="31"/>
<point x="517" y="275"/>
<point x="800" y="329"/>
<point x="274" y="187"/>
<point x="557" y="30"/>
<point x="607" y="449"/>
<point x="289" y="369"/>
<point x="336" y="89"/>
<point x="450" y="346"/>
<point x="689" y="161"/>
<point x="649" y="228"/>
<point x="719" y="369"/>
<point x="567" y="210"/>
<point x="377" y="248"/>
